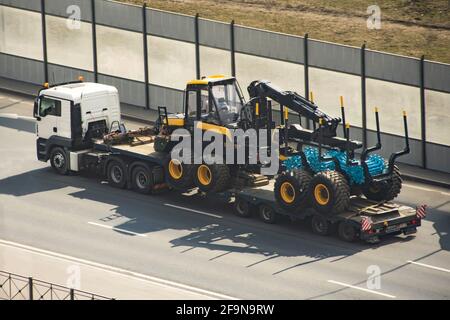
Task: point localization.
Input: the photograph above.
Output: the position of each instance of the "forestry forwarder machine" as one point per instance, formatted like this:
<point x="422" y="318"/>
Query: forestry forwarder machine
<point x="320" y="171"/>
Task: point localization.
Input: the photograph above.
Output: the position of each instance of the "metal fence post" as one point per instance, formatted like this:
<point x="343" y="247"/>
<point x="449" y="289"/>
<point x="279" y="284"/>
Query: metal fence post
<point x="423" y="112"/>
<point x="30" y="288"/>
<point x="233" y="50"/>
<point x="197" y="47"/>
<point x="146" y="75"/>
<point x="94" y="41"/>
<point x="306" y="70"/>
<point x="363" y="95"/>
<point x="44" y="40"/>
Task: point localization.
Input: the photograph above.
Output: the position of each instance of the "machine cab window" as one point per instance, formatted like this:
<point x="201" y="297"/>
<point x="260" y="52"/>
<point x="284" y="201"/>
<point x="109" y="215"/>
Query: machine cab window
<point x="201" y="107"/>
<point x="49" y="107"/>
<point x="229" y="102"/>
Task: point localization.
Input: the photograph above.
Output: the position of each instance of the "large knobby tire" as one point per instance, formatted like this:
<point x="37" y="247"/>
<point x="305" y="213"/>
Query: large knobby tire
<point x="179" y="175"/>
<point x="59" y="161"/>
<point x="386" y="190"/>
<point x="329" y="192"/>
<point x="212" y="178"/>
<point x="116" y="173"/>
<point x="291" y="189"/>
<point x="142" y="179"/>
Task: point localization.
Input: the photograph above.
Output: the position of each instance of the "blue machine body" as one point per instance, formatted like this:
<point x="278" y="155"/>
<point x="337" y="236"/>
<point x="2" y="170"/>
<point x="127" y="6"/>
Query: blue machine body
<point x="375" y="163"/>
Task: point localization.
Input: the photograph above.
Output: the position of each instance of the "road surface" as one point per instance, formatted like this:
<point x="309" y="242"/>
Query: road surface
<point x="198" y="242"/>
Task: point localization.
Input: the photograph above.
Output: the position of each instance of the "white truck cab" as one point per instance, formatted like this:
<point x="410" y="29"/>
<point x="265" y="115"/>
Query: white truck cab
<point x="69" y="115"/>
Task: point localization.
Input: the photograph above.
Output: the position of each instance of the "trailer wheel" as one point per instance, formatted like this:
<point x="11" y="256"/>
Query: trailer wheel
<point x="267" y="214"/>
<point x="116" y="174"/>
<point x="385" y="190"/>
<point x="320" y="225"/>
<point x="58" y="161"/>
<point x="347" y="232"/>
<point x="212" y="177"/>
<point x="242" y="208"/>
<point x="329" y="192"/>
<point x="142" y="179"/>
<point x="291" y="189"/>
<point x="179" y="175"/>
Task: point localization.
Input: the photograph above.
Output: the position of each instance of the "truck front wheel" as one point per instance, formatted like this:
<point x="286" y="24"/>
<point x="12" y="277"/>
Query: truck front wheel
<point x="116" y="173"/>
<point x="58" y="160"/>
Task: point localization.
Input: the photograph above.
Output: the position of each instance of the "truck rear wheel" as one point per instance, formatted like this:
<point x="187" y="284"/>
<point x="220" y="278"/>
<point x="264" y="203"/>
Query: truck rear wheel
<point x="346" y="231"/>
<point x="142" y="179"/>
<point x="320" y="225"/>
<point x="59" y="161"/>
<point x="242" y="208"/>
<point x="291" y="189"/>
<point x="212" y="177"/>
<point x="116" y="174"/>
<point x="329" y="192"/>
<point x="267" y="214"/>
<point x="179" y="175"/>
<point x="385" y="190"/>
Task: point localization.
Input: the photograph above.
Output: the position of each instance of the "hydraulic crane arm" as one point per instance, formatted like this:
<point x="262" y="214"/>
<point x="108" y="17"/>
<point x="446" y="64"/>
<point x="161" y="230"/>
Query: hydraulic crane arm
<point x="260" y="90"/>
<point x="295" y="102"/>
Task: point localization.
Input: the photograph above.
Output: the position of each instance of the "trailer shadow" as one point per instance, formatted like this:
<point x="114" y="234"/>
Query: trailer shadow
<point x="133" y="213"/>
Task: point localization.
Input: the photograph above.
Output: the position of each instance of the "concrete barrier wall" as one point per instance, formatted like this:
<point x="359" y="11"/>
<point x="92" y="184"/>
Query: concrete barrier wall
<point x="393" y="82"/>
<point x="69" y="46"/>
<point x="120" y="53"/>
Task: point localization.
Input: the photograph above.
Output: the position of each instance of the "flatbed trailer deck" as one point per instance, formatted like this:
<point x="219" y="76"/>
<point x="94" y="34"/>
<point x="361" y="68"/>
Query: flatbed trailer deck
<point x="384" y="218"/>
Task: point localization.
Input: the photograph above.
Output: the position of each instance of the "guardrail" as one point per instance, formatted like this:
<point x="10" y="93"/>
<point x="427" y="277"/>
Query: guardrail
<point x="16" y="287"/>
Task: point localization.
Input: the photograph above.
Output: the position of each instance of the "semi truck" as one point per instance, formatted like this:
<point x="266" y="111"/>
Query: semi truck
<point x="79" y="128"/>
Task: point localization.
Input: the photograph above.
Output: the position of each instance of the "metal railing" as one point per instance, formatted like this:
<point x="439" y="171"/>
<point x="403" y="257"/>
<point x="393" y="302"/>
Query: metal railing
<point x="16" y="287"/>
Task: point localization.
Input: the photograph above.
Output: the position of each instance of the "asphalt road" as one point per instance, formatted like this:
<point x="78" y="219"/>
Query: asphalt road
<point x="199" y="242"/>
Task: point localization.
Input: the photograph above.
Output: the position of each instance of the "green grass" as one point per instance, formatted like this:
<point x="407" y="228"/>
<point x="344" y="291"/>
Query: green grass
<point x="409" y="27"/>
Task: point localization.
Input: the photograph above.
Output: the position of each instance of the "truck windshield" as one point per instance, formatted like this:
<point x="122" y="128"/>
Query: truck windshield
<point x="229" y="102"/>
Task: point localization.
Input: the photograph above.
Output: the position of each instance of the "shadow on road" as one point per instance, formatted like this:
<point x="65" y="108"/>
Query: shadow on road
<point x="228" y="234"/>
<point x="18" y="124"/>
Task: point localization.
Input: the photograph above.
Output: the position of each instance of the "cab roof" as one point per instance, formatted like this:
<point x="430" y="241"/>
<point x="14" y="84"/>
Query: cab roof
<point x="75" y="91"/>
<point x="209" y="79"/>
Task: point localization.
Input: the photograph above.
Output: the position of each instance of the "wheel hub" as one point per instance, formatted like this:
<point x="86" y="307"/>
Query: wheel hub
<point x="287" y="192"/>
<point x="321" y="194"/>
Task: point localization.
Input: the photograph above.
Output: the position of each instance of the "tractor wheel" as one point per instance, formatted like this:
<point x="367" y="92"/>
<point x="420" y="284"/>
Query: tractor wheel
<point x="212" y="177"/>
<point x="291" y="189"/>
<point x="329" y="192"/>
<point x="385" y="190"/>
<point x="142" y="179"/>
<point x="116" y="173"/>
<point x="179" y="175"/>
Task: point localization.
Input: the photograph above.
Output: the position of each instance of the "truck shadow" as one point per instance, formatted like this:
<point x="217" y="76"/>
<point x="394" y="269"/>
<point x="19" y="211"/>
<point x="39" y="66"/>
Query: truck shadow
<point x="224" y="234"/>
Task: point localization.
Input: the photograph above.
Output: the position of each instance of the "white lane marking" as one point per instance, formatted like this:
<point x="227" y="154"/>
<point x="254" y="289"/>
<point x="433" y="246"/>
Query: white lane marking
<point x="156" y="280"/>
<point x="429" y="266"/>
<point x="425" y="189"/>
<point x="362" y="289"/>
<point x="117" y="229"/>
<point x="192" y="210"/>
<point x="13" y="100"/>
<point x="16" y="116"/>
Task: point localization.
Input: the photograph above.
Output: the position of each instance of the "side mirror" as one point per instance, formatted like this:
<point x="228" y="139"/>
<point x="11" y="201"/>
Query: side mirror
<point x="36" y="108"/>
